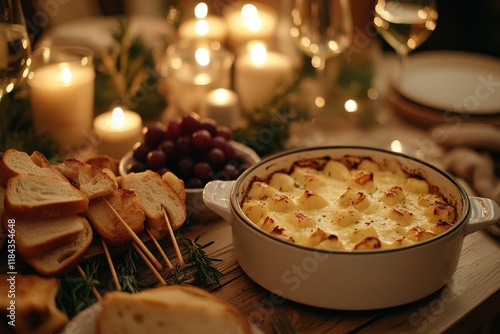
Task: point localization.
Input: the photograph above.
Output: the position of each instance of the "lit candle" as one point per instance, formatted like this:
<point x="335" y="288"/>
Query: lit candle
<point x="259" y="75"/>
<point x="195" y="67"/>
<point x="117" y="131"/>
<point x="222" y="105"/>
<point x="250" y="22"/>
<point x="62" y="100"/>
<point x="203" y="26"/>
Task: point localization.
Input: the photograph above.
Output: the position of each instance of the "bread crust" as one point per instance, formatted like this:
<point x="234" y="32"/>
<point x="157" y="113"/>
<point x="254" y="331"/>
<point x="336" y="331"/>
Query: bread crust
<point x="67" y="257"/>
<point x="165" y="304"/>
<point x="48" y="209"/>
<point x="127" y="204"/>
<point x="16" y="162"/>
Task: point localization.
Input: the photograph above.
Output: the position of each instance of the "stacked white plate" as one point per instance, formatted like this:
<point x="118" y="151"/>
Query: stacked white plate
<point x="447" y="86"/>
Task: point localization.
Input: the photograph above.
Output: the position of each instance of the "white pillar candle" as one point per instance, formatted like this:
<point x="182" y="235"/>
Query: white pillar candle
<point x="210" y="27"/>
<point x="250" y="22"/>
<point x="62" y="100"/>
<point x="259" y="75"/>
<point x="117" y="131"/>
<point x="222" y="105"/>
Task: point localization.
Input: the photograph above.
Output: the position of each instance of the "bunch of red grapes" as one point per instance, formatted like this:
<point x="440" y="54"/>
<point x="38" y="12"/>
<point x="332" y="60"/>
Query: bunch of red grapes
<point x="196" y="150"/>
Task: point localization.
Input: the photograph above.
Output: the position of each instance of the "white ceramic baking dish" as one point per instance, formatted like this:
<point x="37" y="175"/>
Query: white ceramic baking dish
<point x="347" y="280"/>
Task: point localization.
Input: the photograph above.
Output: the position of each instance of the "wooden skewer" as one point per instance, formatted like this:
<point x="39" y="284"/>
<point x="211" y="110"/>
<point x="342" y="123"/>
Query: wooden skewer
<point x="148" y="263"/>
<point x="94" y="290"/>
<point x="111" y="265"/>
<point x="136" y="238"/>
<point x="160" y="249"/>
<point x="174" y="240"/>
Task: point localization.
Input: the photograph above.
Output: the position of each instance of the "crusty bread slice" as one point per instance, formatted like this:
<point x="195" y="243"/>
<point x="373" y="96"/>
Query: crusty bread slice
<point x="35" y="309"/>
<point x="90" y="179"/>
<point x="176" y="183"/>
<point x="156" y="194"/>
<point x="169" y="309"/>
<point x="104" y="162"/>
<point x="63" y="259"/>
<point x="15" y="162"/>
<point x="39" y="236"/>
<point x="127" y="204"/>
<point x="32" y="196"/>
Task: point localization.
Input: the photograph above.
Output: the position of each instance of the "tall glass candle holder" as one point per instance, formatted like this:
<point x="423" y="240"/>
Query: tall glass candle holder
<point x="61" y="82"/>
<point x="192" y="68"/>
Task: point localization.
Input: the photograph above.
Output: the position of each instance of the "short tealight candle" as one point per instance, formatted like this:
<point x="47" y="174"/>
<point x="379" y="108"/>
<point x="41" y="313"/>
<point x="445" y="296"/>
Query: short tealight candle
<point x="222" y="106"/>
<point x="117" y="131"/>
<point x="259" y="74"/>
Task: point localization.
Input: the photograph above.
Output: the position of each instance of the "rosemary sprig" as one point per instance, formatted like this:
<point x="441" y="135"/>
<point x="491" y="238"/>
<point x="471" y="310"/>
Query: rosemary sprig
<point x="199" y="269"/>
<point x="75" y="292"/>
<point x="128" y="271"/>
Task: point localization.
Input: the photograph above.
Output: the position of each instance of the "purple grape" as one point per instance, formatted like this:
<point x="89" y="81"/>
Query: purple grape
<point x="156" y="159"/>
<point x="190" y="124"/>
<point x="174" y="130"/>
<point x="203" y="170"/>
<point x="225" y="132"/>
<point x="216" y="157"/>
<point x="183" y="145"/>
<point x="154" y="134"/>
<point x="202" y="139"/>
<point x="219" y="142"/>
<point x="186" y="167"/>
<point x="140" y="152"/>
<point x="229" y="151"/>
<point x="168" y="147"/>
<point x="137" y="167"/>
<point x="210" y="125"/>
<point x="194" y="183"/>
<point x="231" y="172"/>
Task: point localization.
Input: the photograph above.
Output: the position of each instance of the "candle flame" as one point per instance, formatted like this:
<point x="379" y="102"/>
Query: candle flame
<point x="117" y="117"/>
<point x="201" y="10"/>
<point x="202" y="56"/>
<point x="201" y="27"/>
<point x="251" y="17"/>
<point x="258" y="53"/>
<point x="66" y="75"/>
<point x="220" y="95"/>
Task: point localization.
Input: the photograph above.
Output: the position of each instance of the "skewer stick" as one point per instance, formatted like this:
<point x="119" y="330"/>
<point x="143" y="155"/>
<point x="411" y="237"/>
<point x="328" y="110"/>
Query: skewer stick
<point x="162" y="252"/>
<point x="111" y="265"/>
<point x="136" y="238"/>
<point x="148" y="263"/>
<point x="96" y="293"/>
<point x="174" y="240"/>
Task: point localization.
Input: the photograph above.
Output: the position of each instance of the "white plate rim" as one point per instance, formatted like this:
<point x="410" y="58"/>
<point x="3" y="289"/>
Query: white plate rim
<point x="424" y="62"/>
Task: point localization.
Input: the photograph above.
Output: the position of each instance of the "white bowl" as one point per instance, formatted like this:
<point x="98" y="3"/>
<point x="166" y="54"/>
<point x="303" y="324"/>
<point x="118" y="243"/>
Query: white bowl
<point x="348" y="280"/>
<point x="196" y="210"/>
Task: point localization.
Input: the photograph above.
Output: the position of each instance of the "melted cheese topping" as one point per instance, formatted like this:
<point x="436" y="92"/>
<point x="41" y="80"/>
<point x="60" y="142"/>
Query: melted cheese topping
<point x="332" y="206"/>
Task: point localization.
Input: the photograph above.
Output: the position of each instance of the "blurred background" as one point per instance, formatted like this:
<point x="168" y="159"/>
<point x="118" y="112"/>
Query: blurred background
<point x="465" y="25"/>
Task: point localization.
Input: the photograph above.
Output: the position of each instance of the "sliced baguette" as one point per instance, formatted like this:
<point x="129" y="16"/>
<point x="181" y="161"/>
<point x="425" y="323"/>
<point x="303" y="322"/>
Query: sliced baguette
<point x="127" y="204"/>
<point x="31" y="196"/>
<point x="176" y="183"/>
<point x="156" y="194"/>
<point x="16" y="162"/>
<point x="104" y="162"/>
<point x="35" y="309"/>
<point x="63" y="259"/>
<point x="169" y="309"/>
<point x="40" y="236"/>
<point x="90" y="179"/>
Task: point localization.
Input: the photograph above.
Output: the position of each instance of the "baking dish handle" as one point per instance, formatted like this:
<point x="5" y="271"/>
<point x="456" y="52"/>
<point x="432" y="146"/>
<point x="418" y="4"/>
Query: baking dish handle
<point x="217" y="197"/>
<point x="484" y="212"/>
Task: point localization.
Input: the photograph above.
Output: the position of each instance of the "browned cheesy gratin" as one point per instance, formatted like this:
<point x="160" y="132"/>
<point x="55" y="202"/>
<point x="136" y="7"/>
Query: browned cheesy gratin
<point x="349" y="204"/>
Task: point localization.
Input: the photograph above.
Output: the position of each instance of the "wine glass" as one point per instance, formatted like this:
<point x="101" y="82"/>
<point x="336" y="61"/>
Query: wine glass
<point x="322" y="29"/>
<point x="405" y="24"/>
<point x="15" y="48"/>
